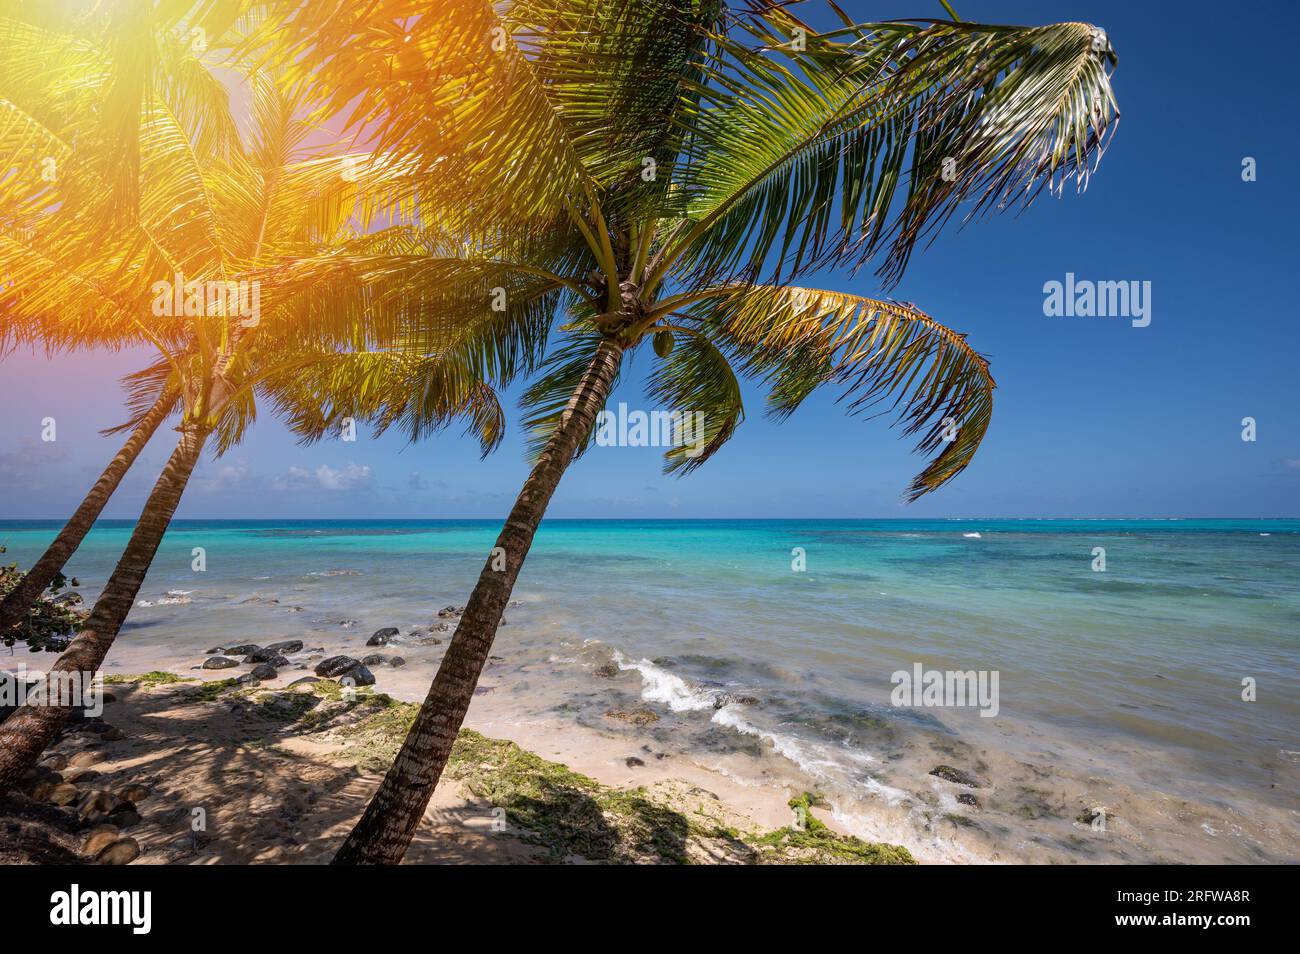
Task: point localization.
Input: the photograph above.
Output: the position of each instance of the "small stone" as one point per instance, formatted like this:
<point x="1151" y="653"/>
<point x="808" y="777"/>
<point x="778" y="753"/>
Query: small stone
<point x="954" y="775"/>
<point x="65" y="794"/>
<point x="633" y="762"/>
<point x="382" y="637"/>
<point x="449" y="611"/>
<point x="125" y="819"/>
<point x="244" y="649"/>
<point x="83" y="775"/>
<point x="42" y="790"/>
<point x="304" y="681"/>
<point x="641" y="716"/>
<point x="396" y="661"/>
<point x="136" y="792"/>
<point x="263" y="654"/>
<point x="966" y="798"/>
<point x="286" y="648"/>
<point x="121" y="852"/>
<point x="261" y="671"/>
<point x="360" y="676"/>
<point x="219" y="662"/>
<point x="336" y="666"/>
<point x="607" y="671"/>
<point x="98" y="800"/>
<point x="730" y="698"/>
<point x="374" y="659"/>
<point x="56" y="761"/>
<point x="83" y="758"/>
<point x="99" y="838"/>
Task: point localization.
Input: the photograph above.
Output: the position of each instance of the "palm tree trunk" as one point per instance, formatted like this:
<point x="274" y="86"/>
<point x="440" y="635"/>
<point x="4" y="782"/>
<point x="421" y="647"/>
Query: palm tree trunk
<point x="27" y="733"/>
<point x="20" y="599"/>
<point x="385" y="830"/>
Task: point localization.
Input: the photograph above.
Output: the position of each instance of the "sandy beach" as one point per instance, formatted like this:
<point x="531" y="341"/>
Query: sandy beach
<point x="207" y="772"/>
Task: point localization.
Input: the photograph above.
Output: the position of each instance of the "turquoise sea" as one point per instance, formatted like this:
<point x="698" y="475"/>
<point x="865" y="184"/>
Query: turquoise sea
<point x="1123" y="684"/>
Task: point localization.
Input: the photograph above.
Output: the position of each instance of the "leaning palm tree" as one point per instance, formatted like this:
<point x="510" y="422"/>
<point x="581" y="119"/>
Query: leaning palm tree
<point x="52" y="60"/>
<point x="205" y="219"/>
<point x="666" y="170"/>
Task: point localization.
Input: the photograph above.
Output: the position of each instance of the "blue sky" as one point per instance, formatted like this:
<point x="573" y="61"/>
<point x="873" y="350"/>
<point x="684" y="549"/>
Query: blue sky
<point x="1093" y="416"/>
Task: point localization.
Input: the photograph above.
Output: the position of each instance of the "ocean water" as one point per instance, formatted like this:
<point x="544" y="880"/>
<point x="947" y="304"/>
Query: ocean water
<point x="1118" y="690"/>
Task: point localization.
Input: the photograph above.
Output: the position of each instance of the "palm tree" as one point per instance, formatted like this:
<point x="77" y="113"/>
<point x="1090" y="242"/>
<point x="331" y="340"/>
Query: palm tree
<point x="48" y="53"/>
<point x="666" y="169"/>
<point x="236" y="214"/>
<point x="535" y="131"/>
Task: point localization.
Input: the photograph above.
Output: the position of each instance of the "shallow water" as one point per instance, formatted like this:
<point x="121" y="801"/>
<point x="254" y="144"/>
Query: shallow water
<point x="1119" y="689"/>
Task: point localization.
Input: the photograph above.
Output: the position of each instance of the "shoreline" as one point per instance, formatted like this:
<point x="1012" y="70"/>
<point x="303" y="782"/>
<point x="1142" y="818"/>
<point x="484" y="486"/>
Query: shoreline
<point x="627" y="725"/>
<point x="192" y="771"/>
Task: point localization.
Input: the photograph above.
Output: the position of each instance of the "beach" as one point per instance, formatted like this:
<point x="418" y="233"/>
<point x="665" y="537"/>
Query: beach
<point x="694" y="656"/>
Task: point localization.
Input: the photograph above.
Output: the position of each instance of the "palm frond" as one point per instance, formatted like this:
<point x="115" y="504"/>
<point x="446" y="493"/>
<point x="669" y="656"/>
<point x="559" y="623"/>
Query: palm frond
<point x="697" y="383"/>
<point x="880" y="353"/>
<point x="876" y="134"/>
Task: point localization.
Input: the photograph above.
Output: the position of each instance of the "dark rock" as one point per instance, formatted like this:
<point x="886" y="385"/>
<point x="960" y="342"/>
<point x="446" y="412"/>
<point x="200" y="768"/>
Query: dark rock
<point x="336" y="666"/>
<point x="607" y="671"/>
<point x="304" y="681"/>
<point x="730" y="698"/>
<point x="265" y="654"/>
<point x="640" y="716"/>
<point x="374" y="659"/>
<point x="219" y="662"/>
<point x="124" y="819"/>
<point x="360" y="676"/>
<point x="396" y="662"/>
<point x="264" y="670"/>
<point x="633" y="762"/>
<point x="449" y="611"/>
<point x="286" y="648"/>
<point x="244" y="649"/>
<point x="382" y="636"/>
<point x="954" y="775"/>
<point x="966" y="798"/>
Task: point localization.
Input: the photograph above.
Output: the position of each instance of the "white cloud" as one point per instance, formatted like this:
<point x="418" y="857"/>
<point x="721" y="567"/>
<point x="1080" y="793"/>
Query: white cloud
<point x="349" y="477"/>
